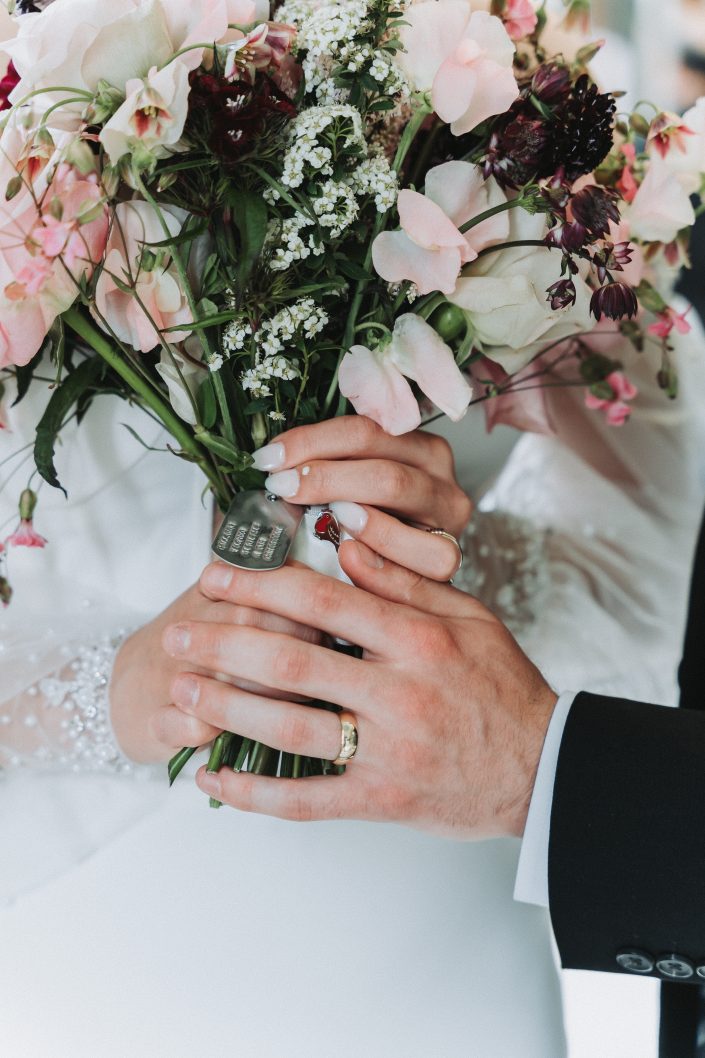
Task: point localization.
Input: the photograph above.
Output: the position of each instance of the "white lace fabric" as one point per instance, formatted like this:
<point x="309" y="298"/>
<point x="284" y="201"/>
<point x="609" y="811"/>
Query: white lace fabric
<point x="62" y="721"/>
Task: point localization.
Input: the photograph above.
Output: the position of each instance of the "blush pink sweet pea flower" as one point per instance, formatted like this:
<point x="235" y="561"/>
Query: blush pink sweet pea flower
<point x="463" y="57"/>
<point x="520" y="18"/>
<point x="430" y="249"/>
<point x="668" y="321"/>
<point x="37" y="285"/>
<point x="156" y="299"/>
<point x="375" y="381"/>
<point x="661" y="207"/>
<point x="616" y="410"/>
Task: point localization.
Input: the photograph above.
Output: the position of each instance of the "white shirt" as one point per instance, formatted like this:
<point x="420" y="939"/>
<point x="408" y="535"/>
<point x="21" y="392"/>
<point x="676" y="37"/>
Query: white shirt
<point x="531" y="886"/>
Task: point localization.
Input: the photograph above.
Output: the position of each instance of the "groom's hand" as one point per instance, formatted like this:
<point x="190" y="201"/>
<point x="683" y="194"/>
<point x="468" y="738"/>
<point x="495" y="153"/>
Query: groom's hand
<point x="451" y="715"/>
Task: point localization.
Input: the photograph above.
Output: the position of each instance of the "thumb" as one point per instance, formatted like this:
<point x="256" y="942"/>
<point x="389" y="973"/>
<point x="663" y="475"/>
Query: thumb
<point x="387" y="580"/>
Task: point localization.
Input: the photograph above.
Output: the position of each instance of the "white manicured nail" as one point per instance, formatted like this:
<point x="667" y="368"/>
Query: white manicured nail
<point x="351" y="516"/>
<point x="284" y="484"/>
<point x="271" y="457"/>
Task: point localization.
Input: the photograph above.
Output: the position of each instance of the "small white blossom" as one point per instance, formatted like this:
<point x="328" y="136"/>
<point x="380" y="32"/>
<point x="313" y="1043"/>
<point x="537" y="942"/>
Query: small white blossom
<point x="236" y="336"/>
<point x="277" y="416"/>
<point x="374" y="176"/>
<point x="216" y="362"/>
<point x="311" y="138"/>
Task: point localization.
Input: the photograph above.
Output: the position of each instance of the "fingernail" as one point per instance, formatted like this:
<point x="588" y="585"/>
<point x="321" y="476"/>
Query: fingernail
<point x="186" y="691"/>
<point x="217" y="577"/>
<point x="177" y="639"/>
<point x="284" y="484"/>
<point x="370" y="557"/>
<point x="209" y="783"/>
<point x="271" y="457"/>
<point x="351" y="516"/>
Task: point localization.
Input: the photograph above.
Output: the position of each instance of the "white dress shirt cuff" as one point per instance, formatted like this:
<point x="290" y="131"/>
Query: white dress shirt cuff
<point x="531" y="886"/>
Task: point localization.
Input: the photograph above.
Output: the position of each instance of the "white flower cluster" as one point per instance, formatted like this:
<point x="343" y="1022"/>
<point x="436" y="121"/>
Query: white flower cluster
<point x="374" y="176"/>
<point x="303" y="319"/>
<point x="236" y="337"/>
<point x="311" y="137"/>
<point x="336" y="207"/>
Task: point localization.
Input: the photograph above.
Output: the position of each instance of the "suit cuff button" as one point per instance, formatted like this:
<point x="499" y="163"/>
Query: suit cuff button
<point x="675" y="967"/>
<point x="635" y="962"/>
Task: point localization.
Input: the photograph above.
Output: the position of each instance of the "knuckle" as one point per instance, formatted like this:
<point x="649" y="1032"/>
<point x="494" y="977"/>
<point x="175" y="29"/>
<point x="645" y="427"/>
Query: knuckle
<point x="365" y="433"/>
<point x="396" y="481"/>
<point x="290" y="666"/>
<point x="295" y="732"/>
<point x="323" y="596"/>
<point x="298" y="809"/>
<point x="432" y="638"/>
<point x="440" y="449"/>
<point x="464" y="508"/>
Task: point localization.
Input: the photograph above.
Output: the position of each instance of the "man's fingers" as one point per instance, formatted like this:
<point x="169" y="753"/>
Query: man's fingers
<point x="432" y="555"/>
<point x="283" y="725"/>
<point x="400" y="585"/>
<point x="354" y="437"/>
<point x="302" y="595"/>
<point x="271" y="659"/>
<point x="299" y="800"/>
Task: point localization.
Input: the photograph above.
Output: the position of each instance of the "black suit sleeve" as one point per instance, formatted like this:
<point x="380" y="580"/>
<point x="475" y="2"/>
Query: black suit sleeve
<point x="627" y="846"/>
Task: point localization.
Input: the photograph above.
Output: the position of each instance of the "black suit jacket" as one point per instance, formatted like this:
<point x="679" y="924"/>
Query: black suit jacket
<point x="627" y="847"/>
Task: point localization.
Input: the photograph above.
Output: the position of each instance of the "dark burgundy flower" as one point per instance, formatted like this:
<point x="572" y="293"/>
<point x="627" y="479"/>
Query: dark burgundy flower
<point x="7" y="83"/>
<point x="615" y="301"/>
<point x="583" y="128"/>
<point x="573" y="137"/>
<point x="516" y="152"/>
<point x="237" y="112"/>
<point x="551" y="83"/>
<point x="561" y="294"/>
<point x="568" y="236"/>
<point x="611" y="258"/>
<point x="594" y="208"/>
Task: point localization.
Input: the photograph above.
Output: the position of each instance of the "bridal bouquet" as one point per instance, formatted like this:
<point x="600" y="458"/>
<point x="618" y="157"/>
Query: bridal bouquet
<point x="243" y="220"/>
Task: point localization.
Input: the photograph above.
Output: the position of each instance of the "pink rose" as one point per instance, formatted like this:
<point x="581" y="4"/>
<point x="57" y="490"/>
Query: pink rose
<point x="464" y="57"/>
<point x="430" y="249"/>
<point x="158" y="302"/>
<point x="375" y="381"/>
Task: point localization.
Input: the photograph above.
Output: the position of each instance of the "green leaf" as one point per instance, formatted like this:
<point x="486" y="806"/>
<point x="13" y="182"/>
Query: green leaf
<point x="352" y="269"/>
<point x="24" y="375"/>
<point x="193" y="227"/>
<point x="650" y="298"/>
<point x="207" y="404"/>
<point x="140" y="440"/>
<point x="382" y="104"/>
<point x="75" y="386"/>
<point x="250" y="215"/>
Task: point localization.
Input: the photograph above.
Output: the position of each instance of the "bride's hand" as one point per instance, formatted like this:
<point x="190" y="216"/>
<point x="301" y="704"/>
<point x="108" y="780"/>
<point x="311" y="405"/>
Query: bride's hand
<point x="351" y="464"/>
<point x="148" y="727"/>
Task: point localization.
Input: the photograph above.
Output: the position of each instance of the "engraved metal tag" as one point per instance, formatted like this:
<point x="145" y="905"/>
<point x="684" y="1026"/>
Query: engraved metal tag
<point x="258" y="531"/>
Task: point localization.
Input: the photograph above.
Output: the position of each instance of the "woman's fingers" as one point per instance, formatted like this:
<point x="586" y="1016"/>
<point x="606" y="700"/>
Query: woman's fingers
<point x="355" y="437"/>
<point x="283" y="725"/>
<point x="402" y="586"/>
<point x="406" y="490"/>
<point x="173" y="728"/>
<point x="430" y="554"/>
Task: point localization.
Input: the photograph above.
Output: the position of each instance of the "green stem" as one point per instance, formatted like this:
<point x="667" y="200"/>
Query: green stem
<point x="514" y="245"/>
<point x="179" y="761"/>
<point x="503" y="207"/>
<point x="178" y="429"/>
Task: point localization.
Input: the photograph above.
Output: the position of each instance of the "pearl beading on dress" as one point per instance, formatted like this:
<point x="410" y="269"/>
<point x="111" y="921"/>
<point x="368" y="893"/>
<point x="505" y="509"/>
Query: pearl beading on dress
<point x="63" y="720"/>
<point x="506" y="566"/>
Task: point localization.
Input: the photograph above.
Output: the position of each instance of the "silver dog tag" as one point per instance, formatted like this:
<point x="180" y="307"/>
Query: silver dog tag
<point x="258" y="531"/>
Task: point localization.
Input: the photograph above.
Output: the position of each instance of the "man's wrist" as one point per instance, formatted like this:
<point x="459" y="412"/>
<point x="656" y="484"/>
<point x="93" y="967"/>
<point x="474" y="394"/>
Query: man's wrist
<point x="538" y="713"/>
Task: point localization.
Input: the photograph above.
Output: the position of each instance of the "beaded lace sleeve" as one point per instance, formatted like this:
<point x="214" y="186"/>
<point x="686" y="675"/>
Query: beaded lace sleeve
<point x="62" y="720"/>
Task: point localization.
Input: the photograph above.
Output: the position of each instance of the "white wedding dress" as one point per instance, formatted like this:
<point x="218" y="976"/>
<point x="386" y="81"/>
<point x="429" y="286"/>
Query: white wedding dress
<point x="191" y="931"/>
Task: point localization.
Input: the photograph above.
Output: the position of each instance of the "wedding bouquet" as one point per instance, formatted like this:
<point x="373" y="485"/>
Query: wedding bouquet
<point x="243" y="220"/>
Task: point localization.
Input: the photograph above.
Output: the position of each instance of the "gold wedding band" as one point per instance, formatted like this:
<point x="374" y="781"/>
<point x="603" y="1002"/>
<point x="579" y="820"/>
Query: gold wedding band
<point x="348" y="738"/>
<point x="453" y="540"/>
